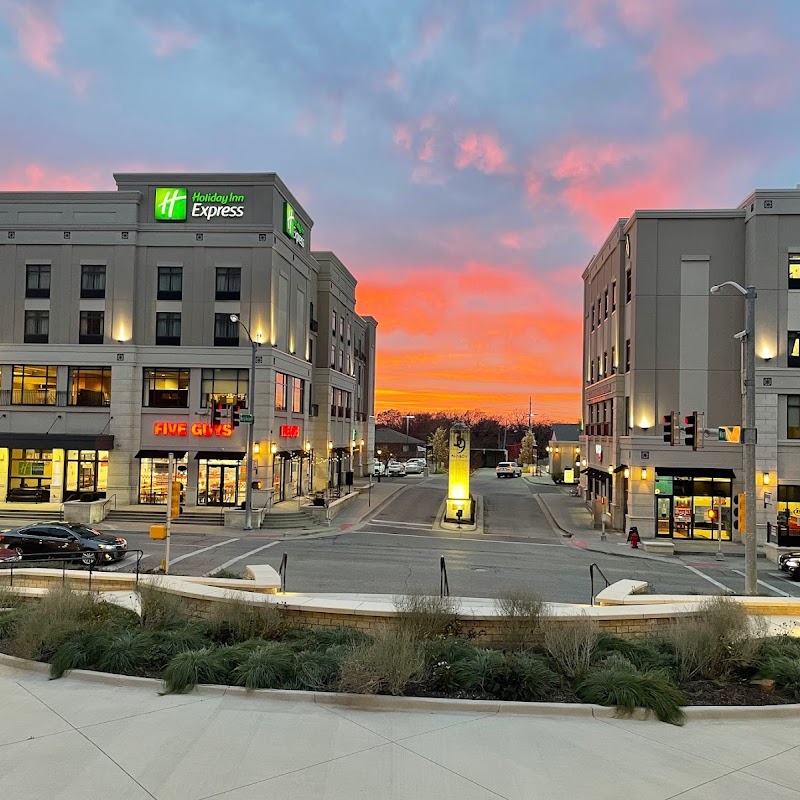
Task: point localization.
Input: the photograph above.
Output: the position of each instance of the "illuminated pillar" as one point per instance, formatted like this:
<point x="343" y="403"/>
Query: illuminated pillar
<point x="459" y="506"/>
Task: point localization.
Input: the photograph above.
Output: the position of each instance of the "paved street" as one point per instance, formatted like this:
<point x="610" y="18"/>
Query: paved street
<point x="394" y="549"/>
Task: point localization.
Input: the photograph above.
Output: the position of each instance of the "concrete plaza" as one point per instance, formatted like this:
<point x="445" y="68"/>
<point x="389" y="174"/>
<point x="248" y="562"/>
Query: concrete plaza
<point x="79" y="738"/>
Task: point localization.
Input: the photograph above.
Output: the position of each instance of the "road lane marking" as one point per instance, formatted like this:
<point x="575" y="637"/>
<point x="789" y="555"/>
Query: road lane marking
<point x="727" y="589"/>
<point x="401" y="524"/>
<point x="201" y="550"/>
<point x="245" y="555"/>
<point x="454" y="538"/>
<point x="764" y="583"/>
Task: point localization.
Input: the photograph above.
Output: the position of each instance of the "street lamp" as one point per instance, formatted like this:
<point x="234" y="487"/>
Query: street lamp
<point x="408" y="418"/>
<point x="749" y="431"/>
<point x="251" y="405"/>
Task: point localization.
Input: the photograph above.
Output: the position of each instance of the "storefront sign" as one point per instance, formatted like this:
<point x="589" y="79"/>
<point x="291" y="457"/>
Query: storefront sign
<point x="290" y="431"/>
<point x="292" y="226"/>
<point x="195" y="429"/>
<point x="171" y="204"/>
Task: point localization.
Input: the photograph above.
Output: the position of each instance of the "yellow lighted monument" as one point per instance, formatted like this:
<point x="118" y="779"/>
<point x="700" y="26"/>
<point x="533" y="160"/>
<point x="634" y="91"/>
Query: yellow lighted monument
<point x="459" y="504"/>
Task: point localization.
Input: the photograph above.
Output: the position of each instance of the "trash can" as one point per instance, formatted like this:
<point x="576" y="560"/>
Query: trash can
<point x="158" y="531"/>
<point x="348" y="478"/>
<point x="319" y="499"/>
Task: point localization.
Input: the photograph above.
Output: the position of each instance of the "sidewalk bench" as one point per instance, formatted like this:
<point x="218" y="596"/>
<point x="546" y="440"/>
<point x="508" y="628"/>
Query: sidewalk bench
<point x="665" y="548"/>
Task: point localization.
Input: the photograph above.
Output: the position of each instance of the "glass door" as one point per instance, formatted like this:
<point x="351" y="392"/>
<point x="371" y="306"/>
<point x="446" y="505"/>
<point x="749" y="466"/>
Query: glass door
<point x="682" y="517"/>
<point x="664" y="516"/>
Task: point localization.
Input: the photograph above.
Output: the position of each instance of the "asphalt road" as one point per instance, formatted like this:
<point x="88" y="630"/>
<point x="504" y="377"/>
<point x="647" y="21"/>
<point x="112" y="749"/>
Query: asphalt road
<point x="398" y="551"/>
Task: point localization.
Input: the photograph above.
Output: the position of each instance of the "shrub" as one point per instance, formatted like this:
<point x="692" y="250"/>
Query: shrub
<point x="268" y="666"/>
<point x="788" y="646"/>
<point x="520" y="618"/>
<point x="125" y="652"/>
<point x="166" y="644"/>
<point x="483" y="672"/>
<point x="80" y="651"/>
<point x="160" y="609"/>
<point x="387" y="664"/>
<point x="527" y="678"/>
<point x="643" y="654"/>
<point x="227" y="573"/>
<point x="424" y="617"/>
<point x="108" y="615"/>
<point x="237" y="621"/>
<point x="443" y="655"/>
<point x="188" y="669"/>
<point x="785" y="671"/>
<point x="315" y="671"/>
<point x="570" y="643"/>
<point x="339" y="636"/>
<point x="9" y="598"/>
<point x="712" y="642"/>
<point x="7" y="621"/>
<point x="618" y="683"/>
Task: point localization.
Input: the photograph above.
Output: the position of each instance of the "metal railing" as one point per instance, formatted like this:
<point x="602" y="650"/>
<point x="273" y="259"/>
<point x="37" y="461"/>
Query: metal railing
<point x="282" y="572"/>
<point x="592" y="568"/>
<point x="40" y="559"/>
<point x="107" y="500"/>
<point x="444" y="584"/>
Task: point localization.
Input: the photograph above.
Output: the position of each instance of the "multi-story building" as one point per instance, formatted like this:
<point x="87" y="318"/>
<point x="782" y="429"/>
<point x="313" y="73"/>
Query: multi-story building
<point x="657" y="342"/>
<point x="127" y="319"/>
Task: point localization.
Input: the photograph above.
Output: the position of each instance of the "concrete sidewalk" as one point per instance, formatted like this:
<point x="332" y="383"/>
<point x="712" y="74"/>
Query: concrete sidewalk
<point x="77" y="739"/>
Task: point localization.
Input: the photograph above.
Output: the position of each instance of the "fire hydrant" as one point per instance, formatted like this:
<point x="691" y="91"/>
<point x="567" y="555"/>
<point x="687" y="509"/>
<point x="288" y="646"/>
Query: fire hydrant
<point x="633" y="538"/>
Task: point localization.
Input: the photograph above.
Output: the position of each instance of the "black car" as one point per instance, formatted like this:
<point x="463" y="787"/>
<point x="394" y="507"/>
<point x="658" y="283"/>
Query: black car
<point x="44" y="540"/>
<point x="790" y="563"/>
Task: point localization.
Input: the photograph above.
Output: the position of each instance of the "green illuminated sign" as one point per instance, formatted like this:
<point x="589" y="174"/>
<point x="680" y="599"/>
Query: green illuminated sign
<point x="292" y="226"/>
<point x="170" y="204"/>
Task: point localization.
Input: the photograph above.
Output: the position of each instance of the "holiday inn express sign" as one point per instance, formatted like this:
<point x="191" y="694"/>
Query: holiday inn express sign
<point x="177" y="204"/>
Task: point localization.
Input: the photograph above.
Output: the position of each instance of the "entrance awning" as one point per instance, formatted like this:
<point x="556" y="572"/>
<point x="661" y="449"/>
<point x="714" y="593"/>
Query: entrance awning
<point x="599" y="474"/>
<point x="65" y="441"/>
<point x="695" y="472"/>
<point x="620" y="468"/>
<point x="179" y="454"/>
<point x="220" y="455"/>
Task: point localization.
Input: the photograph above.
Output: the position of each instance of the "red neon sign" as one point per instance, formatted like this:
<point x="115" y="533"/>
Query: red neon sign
<point x="195" y="429"/>
<point x="290" y="431"/>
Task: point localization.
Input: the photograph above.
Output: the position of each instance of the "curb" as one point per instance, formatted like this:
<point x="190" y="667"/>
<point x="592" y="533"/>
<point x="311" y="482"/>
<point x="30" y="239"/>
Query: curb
<point x="405" y="704"/>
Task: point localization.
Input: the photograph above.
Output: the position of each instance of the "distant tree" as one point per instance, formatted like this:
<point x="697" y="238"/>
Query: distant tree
<point x="527" y="454"/>
<point x="391" y="419"/>
<point x="441" y="454"/>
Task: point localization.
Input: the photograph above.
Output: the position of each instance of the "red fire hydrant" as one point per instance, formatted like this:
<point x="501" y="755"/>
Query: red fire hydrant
<point x="633" y="538"/>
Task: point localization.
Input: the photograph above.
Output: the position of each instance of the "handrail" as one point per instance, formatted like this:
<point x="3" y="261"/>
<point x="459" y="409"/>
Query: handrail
<point x="108" y="500"/>
<point x="444" y="584"/>
<point x="36" y="558"/>
<point x="592" y="568"/>
<point x="282" y="572"/>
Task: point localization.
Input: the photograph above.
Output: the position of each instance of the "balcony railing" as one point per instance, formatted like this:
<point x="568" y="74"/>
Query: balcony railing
<point x="313" y="325"/>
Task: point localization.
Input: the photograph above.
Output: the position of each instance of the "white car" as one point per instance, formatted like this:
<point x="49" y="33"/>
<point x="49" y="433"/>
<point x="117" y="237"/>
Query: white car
<point x="414" y="468"/>
<point x="396" y="468"/>
<point x="508" y="469"/>
<point x="378" y="468"/>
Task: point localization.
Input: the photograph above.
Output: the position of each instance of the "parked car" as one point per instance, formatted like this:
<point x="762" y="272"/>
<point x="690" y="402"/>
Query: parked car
<point x="378" y="468"/>
<point x="57" y="539"/>
<point x="414" y="468"/>
<point x="396" y="468"/>
<point x="7" y="555"/>
<point x="508" y="469"/>
<point x="790" y="563"/>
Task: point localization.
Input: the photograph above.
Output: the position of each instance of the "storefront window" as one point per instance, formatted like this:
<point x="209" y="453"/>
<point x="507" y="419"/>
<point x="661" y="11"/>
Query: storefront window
<point x="87" y="471"/>
<point x="165" y="388"/>
<point x="788" y="507"/>
<point x="90" y="386"/>
<point x="221" y="483"/>
<point x="683" y="505"/>
<point x="227" y="386"/>
<point x="154" y="479"/>
<point x="30" y="475"/>
<point x="33" y="386"/>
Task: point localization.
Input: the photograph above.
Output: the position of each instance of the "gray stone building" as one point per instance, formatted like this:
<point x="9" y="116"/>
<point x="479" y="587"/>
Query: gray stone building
<point x="656" y="342"/>
<point x="117" y="344"/>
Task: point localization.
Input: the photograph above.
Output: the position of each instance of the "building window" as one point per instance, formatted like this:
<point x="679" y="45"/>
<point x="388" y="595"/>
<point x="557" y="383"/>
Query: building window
<point x="226" y="331"/>
<point x="228" y="386"/>
<point x="90" y="386"/>
<point x="794" y="272"/>
<point x="333" y="323"/>
<point x="91" y="327"/>
<point x="341" y="327"/>
<point x="605" y="305"/>
<point x="592" y="316"/>
<point x="341" y="361"/>
<point x="33" y="386"/>
<point x="165" y="388"/>
<point x="310" y="349"/>
<point x="793" y="354"/>
<point x="614" y="296"/>
<point x="168" y="327"/>
<point x="627" y="416"/>
<point x="37" y="280"/>
<point x="280" y="391"/>
<point x="37" y="327"/>
<point x="348" y="334"/>
<point x="591" y="370"/>
<point x="87" y="471"/>
<point x="229" y="283"/>
<point x="170" y="283"/>
<point x="297" y="395"/>
<point x="628" y="285"/>
<point x="599" y="374"/>
<point x="613" y="360"/>
<point x="605" y="363"/>
<point x="627" y="355"/>
<point x="333" y="356"/>
<point x="793" y="416"/>
<point x="93" y="280"/>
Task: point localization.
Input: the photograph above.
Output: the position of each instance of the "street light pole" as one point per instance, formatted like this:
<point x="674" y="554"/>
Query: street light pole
<point x="408" y="418"/>
<point x="750" y="434"/>
<point x="251" y="406"/>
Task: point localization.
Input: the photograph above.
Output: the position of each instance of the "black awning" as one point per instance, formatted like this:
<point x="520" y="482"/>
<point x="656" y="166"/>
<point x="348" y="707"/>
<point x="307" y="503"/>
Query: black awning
<point x="65" y="441"/>
<point x="620" y="468"/>
<point x="599" y="474"/>
<point x="179" y="454"/>
<point x="221" y="455"/>
<point x="695" y="472"/>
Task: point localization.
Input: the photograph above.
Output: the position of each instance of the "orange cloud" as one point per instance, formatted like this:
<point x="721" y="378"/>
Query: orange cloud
<point x="482" y="151"/>
<point x="38" y="34"/>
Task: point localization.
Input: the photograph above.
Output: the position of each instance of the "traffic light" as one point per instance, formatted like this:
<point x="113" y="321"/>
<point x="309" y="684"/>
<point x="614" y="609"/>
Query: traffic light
<point x="691" y="432"/>
<point x="711" y="514"/>
<point x="236" y="418"/>
<point x="739" y="511"/>
<point x="216" y="412"/>
<point x="670" y="428"/>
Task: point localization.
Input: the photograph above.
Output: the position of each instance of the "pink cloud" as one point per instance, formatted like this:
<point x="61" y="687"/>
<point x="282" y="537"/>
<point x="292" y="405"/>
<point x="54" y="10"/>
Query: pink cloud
<point x="394" y="80"/>
<point x="430" y="31"/>
<point x="41" y="178"/>
<point x="38" y="33"/>
<point x="510" y="239"/>
<point x="402" y="136"/>
<point x="482" y="151"/>
<point x="426" y="152"/>
<point x="169" y="41"/>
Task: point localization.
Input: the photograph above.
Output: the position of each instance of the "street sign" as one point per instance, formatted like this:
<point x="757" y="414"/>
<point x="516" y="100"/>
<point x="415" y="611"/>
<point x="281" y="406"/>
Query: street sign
<point x="246" y="418"/>
<point x="730" y="433"/>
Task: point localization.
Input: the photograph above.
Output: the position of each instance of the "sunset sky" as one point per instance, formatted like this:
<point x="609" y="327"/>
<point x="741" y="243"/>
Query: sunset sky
<point x="463" y="158"/>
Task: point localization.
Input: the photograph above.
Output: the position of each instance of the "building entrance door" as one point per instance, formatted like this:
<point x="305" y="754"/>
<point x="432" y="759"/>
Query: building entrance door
<point x="664" y="516"/>
<point x="218" y="485"/>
